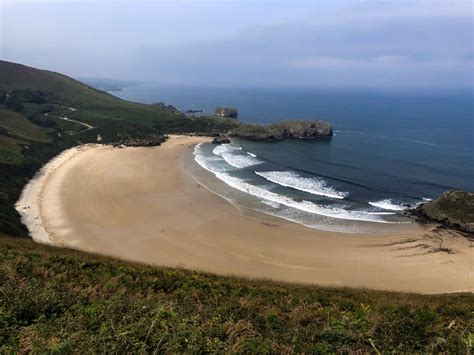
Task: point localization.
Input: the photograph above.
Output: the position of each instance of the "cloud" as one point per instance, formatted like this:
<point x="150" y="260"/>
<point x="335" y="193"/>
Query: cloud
<point x="380" y="43"/>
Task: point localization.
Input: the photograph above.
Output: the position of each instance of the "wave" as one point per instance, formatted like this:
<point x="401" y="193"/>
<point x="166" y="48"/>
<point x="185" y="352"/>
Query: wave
<point x="305" y="206"/>
<point x="387" y="204"/>
<point x="225" y="148"/>
<point x="383" y="213"/>
<point x="252" y="155"/>
<point x="313" y="186"/>
<point x="240" y="161"/>
<point x="278" y="201"/>
<point x="272" y="204"/>
<point x="209" y="163"/>
<point x="274" y="199"/>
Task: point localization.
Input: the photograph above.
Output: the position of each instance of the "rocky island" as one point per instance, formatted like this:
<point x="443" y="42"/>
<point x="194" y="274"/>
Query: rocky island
<point x="283" y="130"/>
<point x="226" y="112"/>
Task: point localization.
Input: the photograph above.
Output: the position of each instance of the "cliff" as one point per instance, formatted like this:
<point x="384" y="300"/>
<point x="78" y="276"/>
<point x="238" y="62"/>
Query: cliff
<point x="283" y="130"/>
<point x="452" y="208"/>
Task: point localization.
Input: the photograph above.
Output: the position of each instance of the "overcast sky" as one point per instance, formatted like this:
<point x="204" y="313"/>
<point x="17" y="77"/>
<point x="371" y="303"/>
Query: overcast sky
<point x="246" y="43"/>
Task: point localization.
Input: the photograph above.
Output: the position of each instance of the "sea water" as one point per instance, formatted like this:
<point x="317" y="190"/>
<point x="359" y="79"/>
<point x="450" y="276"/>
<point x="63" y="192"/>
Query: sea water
<point x="390" y="150"/>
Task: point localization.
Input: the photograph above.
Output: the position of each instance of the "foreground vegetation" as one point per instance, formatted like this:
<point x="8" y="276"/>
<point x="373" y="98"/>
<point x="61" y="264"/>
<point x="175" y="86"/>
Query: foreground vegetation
<point x="59" y="300"/>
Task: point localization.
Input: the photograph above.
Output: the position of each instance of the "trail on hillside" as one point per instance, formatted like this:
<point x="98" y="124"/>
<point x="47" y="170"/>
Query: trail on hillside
<point x="88" y="126"/>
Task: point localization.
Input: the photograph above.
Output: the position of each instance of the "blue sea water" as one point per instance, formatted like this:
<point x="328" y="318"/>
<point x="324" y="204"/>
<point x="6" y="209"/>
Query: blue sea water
<point x="389" y="148"/>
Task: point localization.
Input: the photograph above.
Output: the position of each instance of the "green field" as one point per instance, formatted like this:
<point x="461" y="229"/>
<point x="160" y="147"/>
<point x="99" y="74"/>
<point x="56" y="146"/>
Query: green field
<point x="10" y="150"/>
<point x="20" y="126"/>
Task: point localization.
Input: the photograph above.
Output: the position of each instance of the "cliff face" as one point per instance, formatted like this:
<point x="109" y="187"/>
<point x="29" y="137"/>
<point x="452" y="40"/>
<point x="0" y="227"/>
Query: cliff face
<point x="283" y="130"/>
<point x="452" y="208"/>
<point x="228" y="112"/>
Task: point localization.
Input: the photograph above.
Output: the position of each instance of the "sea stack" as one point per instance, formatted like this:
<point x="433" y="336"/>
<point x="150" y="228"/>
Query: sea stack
<point x="227" y="112"/>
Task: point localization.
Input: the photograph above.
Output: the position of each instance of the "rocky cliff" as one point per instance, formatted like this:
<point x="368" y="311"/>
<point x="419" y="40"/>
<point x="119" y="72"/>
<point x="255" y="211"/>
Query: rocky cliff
<point x="452" y="208"/>
<point x="228" y="112"/>
<point x="283" y="130"/>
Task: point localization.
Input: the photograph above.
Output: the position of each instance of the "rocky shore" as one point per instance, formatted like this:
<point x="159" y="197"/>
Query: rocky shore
<point x="454" y="209"/>
<point x="150" y="141"/>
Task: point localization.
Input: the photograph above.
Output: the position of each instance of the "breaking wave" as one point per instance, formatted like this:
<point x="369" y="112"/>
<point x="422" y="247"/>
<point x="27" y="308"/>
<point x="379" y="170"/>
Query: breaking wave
<point x="313" y="186"/>
<point x="306" y="206"/>
<point x="387" y="204"/>
<point x="222" y="160"/>
<point x="233" y="157"/>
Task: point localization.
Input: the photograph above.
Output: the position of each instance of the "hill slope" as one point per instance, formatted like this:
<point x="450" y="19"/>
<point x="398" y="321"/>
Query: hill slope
<point x="69" y="91"/>
<point x="58" y="300"/>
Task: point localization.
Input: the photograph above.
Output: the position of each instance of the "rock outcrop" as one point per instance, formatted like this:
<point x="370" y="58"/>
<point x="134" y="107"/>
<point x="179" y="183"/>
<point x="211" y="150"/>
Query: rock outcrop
<point x="194" y="111"/>
<point x="167" y="108"/>
<point x="151" y="141"/>
<point x="221" y="140"/>
<point x="283" y="130"/>
<point x="452" y="209"/>
<point x="227" y="112"/>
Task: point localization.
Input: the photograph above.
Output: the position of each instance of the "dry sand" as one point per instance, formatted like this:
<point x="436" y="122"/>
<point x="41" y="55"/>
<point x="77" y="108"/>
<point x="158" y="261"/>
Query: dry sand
<point x="140" y="204"/>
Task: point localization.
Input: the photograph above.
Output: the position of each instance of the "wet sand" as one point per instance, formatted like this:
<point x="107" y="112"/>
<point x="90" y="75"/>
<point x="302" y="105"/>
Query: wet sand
<point x="140" y="204"/>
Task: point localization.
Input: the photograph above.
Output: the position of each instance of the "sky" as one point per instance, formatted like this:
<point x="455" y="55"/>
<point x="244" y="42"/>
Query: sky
<point x="320" y="43"/>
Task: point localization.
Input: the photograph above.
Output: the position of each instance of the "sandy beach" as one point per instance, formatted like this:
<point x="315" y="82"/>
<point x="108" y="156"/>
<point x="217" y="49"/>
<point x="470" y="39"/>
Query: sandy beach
<point x="141" y="204"/>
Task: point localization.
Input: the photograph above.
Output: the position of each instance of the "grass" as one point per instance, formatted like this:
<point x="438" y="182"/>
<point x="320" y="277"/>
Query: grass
<point x="20" y="126"/>
<point x="455" y="205"/>
<point x="67" y="90"/>
<point x="58" y="300"/>
<point x="10" y="150"/>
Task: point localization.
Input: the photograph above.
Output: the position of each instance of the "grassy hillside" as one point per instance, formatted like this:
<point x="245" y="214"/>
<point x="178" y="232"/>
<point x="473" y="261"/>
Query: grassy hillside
<point x="15" y="124"/>
<point x="57" y="300"/>
<point x="69" y="91"/>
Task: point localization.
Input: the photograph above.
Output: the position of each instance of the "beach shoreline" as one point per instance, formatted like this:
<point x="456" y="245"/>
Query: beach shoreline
<point x="141" y="204"/>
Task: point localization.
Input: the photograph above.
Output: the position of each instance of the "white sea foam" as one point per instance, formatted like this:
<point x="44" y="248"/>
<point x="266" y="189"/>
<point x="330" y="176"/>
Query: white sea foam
<point x="272" y="204"/>
<point x="229" y="153"/>
<point x="313" y="186"/>
<point x="387" y="204"/>
<point x="276" y="200"/>
<point x="209" y="163"/>
<point x="427" y="199"/>
<point x="305" y="206"/>
<point x="225" y="148"/>
<point x="252" y="155"/>
<point x="240" y="161"/>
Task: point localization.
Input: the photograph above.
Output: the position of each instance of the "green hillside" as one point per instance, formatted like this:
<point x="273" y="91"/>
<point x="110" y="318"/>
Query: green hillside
<point x="63" y="301"/>
<point x="69" y="91"/>
<point x="18" y="125"/>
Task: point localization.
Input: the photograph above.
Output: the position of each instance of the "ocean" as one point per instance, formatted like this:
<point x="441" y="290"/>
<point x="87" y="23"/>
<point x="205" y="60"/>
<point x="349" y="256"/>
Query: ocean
<point x="390" y="149"/>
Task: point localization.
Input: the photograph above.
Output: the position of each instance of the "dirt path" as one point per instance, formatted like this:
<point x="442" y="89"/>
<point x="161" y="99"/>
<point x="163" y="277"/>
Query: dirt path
<point x="88" y="126"/>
